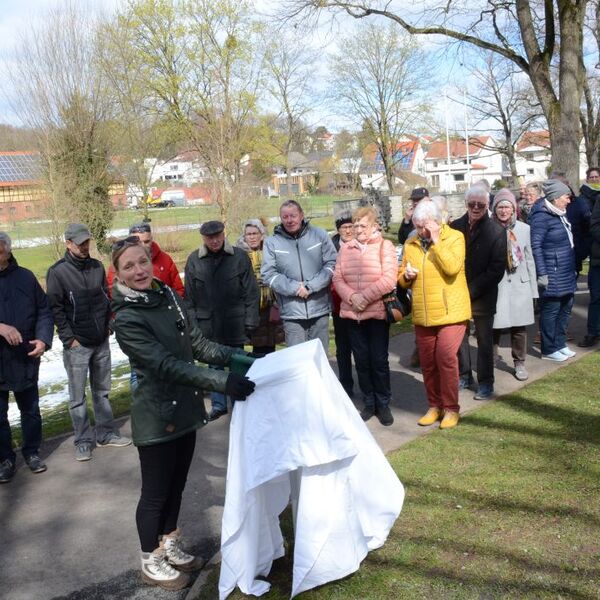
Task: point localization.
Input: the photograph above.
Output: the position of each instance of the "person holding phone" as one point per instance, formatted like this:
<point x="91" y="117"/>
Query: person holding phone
<point x="433" y="266"/>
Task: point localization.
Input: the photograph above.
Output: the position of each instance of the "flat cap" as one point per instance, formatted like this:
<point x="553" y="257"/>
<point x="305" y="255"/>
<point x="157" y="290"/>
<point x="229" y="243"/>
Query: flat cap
<point x="211" y="227"/>
<point x="77" y="233"/>
<point x="419" y="193"/>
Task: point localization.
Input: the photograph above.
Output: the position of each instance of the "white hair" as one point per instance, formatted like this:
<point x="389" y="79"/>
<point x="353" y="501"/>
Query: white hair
<point x="5" y="240"/>
<point x="426" y="210"/>
<point x="477" y="191"/>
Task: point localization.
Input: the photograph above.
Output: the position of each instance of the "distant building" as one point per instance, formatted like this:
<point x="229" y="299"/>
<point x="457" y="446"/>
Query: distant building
<point x="21" y="189"/>
<point x="185" y="168"/>
<point x="484" y="161"/>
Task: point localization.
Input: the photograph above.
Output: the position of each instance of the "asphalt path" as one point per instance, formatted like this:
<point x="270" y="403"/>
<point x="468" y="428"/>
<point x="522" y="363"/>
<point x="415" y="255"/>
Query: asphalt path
<point x="69" y="533"/>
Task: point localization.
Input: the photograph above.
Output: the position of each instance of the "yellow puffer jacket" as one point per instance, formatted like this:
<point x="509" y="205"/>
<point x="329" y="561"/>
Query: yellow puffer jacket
<point x="440" y="292"/>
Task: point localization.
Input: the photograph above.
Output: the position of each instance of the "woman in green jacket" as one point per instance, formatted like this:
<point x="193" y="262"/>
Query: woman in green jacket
<point x="154" y="331"/>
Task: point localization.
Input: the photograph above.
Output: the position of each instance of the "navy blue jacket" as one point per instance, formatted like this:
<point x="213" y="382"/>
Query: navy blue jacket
<point x="24" y="305"/>
<point x="579" y="213"/>
<point x="552" y="251"/>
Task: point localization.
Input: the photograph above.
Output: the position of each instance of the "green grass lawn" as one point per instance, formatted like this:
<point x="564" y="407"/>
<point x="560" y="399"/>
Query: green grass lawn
<point x="505" y="506"/>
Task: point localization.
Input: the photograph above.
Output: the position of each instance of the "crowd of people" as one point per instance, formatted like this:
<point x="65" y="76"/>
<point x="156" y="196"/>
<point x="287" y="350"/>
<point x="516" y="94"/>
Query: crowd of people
<point x="485" y="272"/>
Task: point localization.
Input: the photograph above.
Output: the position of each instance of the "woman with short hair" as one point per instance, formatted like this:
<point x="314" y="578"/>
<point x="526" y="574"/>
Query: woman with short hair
<point x="366" y="269"/>
<point x="433" y="266"/>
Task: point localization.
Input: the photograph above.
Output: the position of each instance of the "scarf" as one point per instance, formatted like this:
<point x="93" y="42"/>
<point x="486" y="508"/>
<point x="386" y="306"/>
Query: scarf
<point x="562" y="215"/>
<point x="266" y="295"/>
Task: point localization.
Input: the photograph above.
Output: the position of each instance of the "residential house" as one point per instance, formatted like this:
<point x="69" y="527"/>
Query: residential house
<point x="21" y="189"/>
<point x="185" y="168"/>
<point x="533" y="156"/>
<point x="456" y="170"/>
<point x="306" y="172"/>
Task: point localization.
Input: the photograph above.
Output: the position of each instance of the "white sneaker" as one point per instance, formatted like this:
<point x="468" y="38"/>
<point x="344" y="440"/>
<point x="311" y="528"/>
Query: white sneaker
<point x="555" y="356"/>
<point x="567" y="352"/>
<point x="177" y="556"/>
<point x="156" y="570"/>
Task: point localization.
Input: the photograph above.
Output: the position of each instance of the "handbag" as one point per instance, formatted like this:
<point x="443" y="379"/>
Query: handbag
<point x="398" y="304"/>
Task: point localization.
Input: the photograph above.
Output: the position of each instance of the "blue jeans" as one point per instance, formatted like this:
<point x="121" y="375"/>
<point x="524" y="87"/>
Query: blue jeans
<point x="593" y="316"/>
<point x="78" y="362"/>
<point x="218" y="401"/>
<point x="554" y="318"/>
<point x="28" y="402"/>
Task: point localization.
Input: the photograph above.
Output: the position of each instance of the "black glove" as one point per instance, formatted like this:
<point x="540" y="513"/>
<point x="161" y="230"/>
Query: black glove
<point x="255" y="355"/>
<point x="238" y="386"/>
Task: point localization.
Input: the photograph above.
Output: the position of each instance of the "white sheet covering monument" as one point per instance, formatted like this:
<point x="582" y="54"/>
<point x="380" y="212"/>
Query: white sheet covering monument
<point x="299" y="437"/>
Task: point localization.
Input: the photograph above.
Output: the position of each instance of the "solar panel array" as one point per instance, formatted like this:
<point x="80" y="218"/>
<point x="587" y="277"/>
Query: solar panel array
<point x="19" y="167"/>
<point x="402" y="159"/>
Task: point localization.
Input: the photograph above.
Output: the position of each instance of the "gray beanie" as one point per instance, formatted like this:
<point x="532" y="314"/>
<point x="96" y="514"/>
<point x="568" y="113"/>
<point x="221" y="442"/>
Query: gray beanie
<point x="554" y="189"/>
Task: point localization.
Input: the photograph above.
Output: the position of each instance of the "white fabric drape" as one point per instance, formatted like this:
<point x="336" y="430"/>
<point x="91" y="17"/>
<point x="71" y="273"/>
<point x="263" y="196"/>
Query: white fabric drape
<point x="299" y="437"/>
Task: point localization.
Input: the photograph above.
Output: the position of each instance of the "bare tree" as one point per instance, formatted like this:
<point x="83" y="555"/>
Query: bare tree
<point x="197" y="63"/>
<point x="503" y="105"/>
<point x="60" y="94"/>
<point x="538" y="38"/>
<point x="289" y="82"/>
<point x="376" y="75"/>
<point x="590" y="111"/>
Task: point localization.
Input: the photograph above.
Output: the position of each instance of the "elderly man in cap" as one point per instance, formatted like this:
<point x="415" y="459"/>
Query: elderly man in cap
<point x="485" y="264"/>
<point x="406" y="227"/>
<point x="78" y="295"/>
<point x="221" y="294"/>
<point x="26" y="331"/>
<point x="163" y="266"/>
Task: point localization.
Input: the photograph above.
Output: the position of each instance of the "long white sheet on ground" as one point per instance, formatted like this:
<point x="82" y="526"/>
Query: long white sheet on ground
<point x="299" y="437"/>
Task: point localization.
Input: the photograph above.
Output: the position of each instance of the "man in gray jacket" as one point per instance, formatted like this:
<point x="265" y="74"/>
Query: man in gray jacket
<point x="298" y="264"/>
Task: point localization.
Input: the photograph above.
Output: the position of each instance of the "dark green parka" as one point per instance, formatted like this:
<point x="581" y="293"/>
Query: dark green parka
<point x="154" y="331"/>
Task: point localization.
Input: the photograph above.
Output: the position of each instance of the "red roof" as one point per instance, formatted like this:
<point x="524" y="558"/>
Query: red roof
<point x="458" y="147"/>
<point x="534" y="138"/>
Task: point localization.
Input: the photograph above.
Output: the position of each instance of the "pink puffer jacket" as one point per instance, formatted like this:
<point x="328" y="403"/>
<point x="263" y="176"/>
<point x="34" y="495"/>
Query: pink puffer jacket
<point x="370" y="269"/>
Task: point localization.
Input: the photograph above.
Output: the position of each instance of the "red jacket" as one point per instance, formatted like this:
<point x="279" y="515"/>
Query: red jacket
<point x="164" y="269"/>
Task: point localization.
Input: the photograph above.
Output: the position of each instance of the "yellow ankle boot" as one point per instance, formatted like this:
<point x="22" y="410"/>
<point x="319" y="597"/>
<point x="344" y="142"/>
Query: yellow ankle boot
<point x="450" y="420"/>
<point x="431" y="416"/>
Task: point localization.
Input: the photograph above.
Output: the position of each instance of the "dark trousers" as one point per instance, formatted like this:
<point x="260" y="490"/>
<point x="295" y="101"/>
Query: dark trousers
<point x="343" y="352"/>
<point x="484" y="333"/>
<point x="28" y="402"/>
<point x="593" y="316"/>
<point x="554" y="318"/>
<point x="370" y="340"/>
<point x="518" y="342"/>
<point x="164" y="473"/>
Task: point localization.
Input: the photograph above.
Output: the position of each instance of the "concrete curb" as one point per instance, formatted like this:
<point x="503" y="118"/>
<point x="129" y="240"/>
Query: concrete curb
<point x="203" y="576"/>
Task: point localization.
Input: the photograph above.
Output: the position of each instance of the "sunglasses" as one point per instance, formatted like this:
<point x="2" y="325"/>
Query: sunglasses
<point x="476" y="204"/>
<point x="132" y="240"/>
<point x="143" y="228"/>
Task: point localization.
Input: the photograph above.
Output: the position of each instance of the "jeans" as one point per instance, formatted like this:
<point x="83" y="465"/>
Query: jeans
<point x="518" y="342"/>
<point x="78" y="361"/>
<point x="438" y="347"/>
<point x="370" y="341"/>
<point x="343" y="352"/>
<point x="484" y="333"/>
<point x="165" y="468"/>
<point x="218" y="400"/>
<point x="554" y="318"/>
<point x="302" y="330"/>
<point x="593" y="316"/>
<point x="28" y="402"/>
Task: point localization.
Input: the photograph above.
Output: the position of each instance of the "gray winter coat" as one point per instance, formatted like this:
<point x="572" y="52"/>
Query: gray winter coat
<point x="289" y="261"/>
<point x="517" y="290"/>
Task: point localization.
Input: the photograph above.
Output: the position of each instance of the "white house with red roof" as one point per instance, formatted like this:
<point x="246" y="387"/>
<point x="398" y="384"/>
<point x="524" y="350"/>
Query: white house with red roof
<point x="456" y="170"/>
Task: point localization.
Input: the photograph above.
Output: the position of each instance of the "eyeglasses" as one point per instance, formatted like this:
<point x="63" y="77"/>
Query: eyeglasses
<point x="132" y="240"/>
<point x="142" y="228"/>
<point x="476" y="204"/>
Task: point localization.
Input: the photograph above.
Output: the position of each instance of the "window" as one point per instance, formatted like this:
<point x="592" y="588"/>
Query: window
<point x="12" y="210"/>
<point x="458" y="176"/>
<point x="435" y="164"/>
<point x="530" y="172"/>
<point x="435" y="181"/>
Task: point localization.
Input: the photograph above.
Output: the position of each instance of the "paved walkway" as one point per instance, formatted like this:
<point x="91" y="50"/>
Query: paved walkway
<point x="70" y="533"/>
